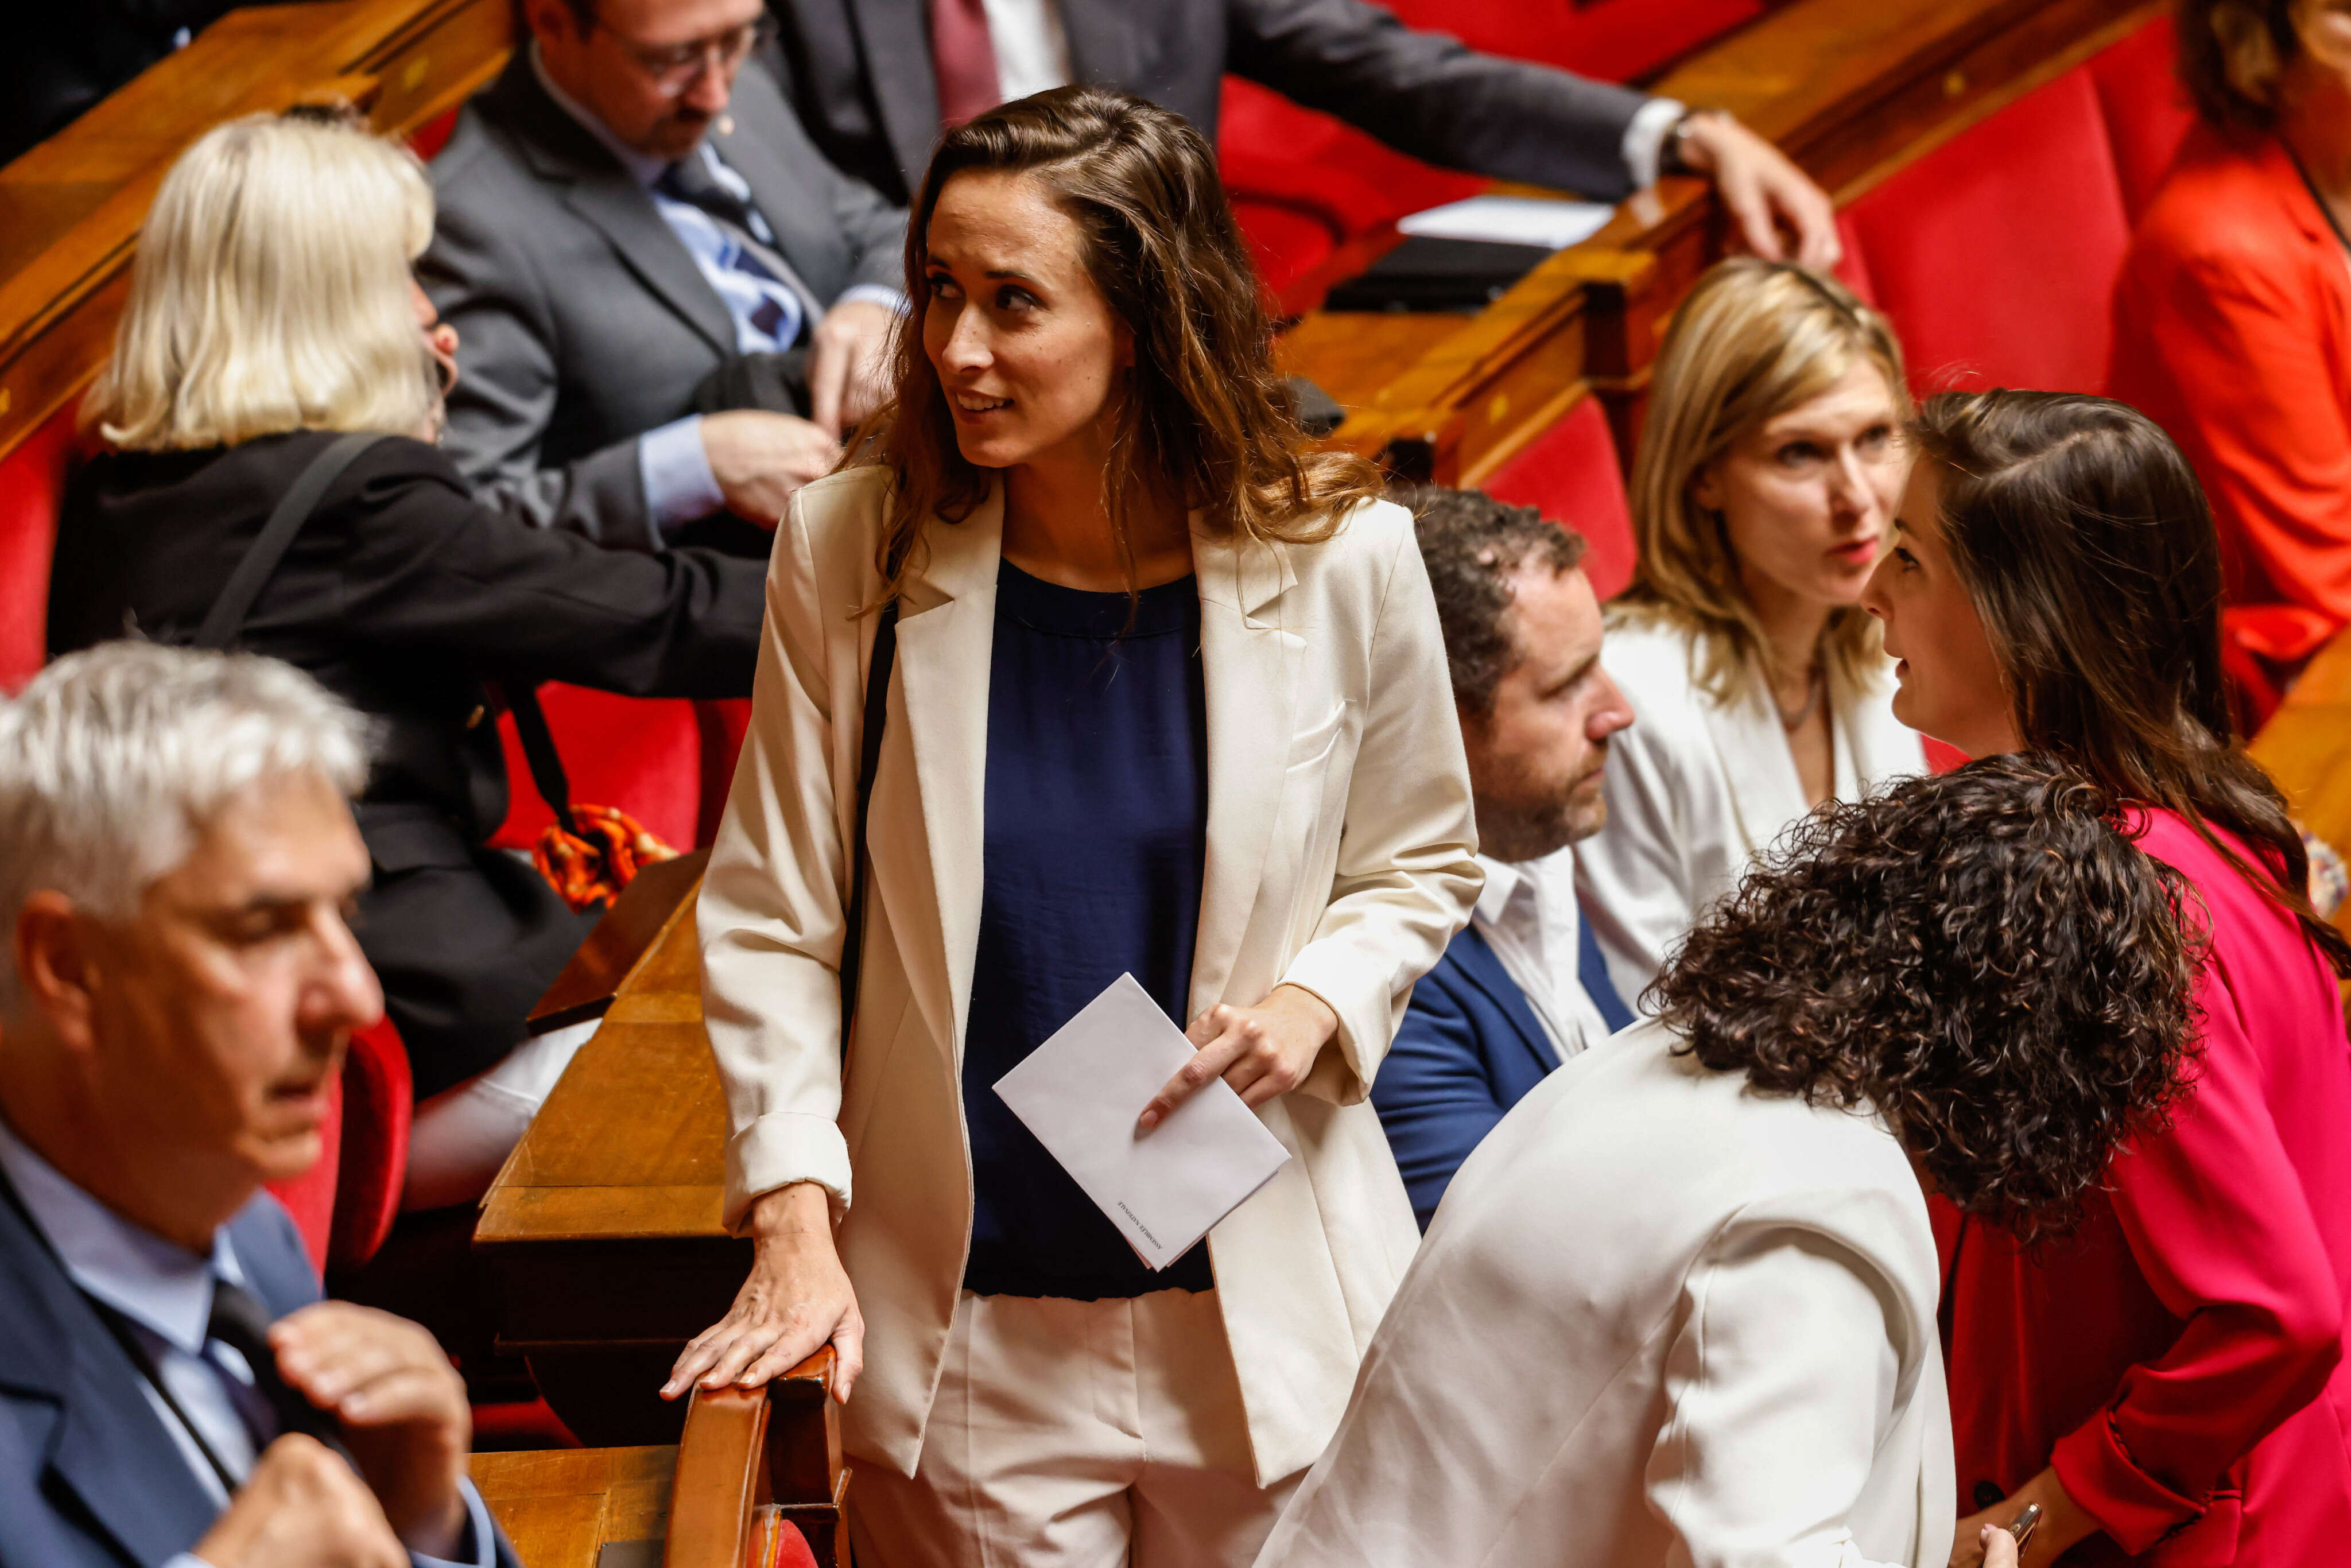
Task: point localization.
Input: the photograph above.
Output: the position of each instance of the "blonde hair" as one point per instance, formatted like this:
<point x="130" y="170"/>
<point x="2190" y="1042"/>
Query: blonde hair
<point x="1754" y="339"/>
<point x="271" y="291"/>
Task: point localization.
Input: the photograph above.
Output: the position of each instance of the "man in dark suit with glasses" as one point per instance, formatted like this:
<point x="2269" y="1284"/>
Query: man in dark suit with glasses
<point x="668" y="304"/>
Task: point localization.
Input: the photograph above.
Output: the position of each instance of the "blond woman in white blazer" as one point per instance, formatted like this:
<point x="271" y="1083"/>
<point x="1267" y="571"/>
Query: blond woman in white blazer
<point x="1678" y="1310"/>
<point x="1086" y="463"/>
<point x="1762" y="495"/>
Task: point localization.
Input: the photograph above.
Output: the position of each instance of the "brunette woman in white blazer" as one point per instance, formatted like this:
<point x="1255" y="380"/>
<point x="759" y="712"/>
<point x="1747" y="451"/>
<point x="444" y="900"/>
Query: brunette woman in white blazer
<point x="1168" y="697"/>
<point x="1762" y="493"/>
<point x="1679" y="1307"/>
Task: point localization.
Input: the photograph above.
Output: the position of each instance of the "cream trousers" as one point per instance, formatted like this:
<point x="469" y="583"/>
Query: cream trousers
<point x="1075" y="1435"/>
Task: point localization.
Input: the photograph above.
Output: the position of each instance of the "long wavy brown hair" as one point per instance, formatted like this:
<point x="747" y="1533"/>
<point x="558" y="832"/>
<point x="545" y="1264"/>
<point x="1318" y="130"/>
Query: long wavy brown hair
<point x="2088" y="547"/>
<point x="1984" y="958"/>
<point x="1203" y="412"/>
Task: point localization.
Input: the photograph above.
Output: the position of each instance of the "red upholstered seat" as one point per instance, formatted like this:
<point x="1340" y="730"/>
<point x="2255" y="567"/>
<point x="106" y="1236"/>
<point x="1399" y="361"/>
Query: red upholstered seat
<point x="2145" y="108"/>
<point x="32" y="489"/>
<point x="642" y="755"/>
<point x="345" y="1203"/>
<point x="1571" y="474"/>
<point x="1996" y="254"/>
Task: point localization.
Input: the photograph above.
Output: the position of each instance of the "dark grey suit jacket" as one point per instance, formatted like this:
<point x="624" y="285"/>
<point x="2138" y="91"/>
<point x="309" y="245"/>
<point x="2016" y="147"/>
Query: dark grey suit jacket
<point x="89" y="1477"/>
<point x="860" y="73"/>
<point x="582" y="321"/>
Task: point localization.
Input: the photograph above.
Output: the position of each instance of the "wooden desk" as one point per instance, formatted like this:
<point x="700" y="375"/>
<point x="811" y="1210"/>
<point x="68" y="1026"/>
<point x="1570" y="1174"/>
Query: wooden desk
<point x="602" y="1236"/>
<point x="2306" y="747"/>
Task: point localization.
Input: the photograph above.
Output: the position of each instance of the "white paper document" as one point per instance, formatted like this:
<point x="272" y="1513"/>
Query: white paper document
<point x="1513" y="220"/>
<point x="1081" y="1093"/>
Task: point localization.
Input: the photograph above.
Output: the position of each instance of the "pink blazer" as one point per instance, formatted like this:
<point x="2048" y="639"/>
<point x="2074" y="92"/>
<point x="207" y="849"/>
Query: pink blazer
<point x="2182" y="1357"/>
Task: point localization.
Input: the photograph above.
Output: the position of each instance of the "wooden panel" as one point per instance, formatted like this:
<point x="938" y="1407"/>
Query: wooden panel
<point x="561" y="1506"/>
<point x="631" y="928"/>
<point x="2306" y="747"/>
<point x="70" y="208"/>
<point x="601" y="1237"/>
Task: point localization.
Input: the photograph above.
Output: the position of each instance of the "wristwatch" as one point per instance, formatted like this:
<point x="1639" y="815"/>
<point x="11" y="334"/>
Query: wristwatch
<point x="1672" y="154"/>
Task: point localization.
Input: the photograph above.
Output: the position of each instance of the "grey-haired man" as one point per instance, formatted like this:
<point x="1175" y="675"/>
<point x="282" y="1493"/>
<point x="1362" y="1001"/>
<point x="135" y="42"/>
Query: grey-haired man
<point x="177" y="859"/>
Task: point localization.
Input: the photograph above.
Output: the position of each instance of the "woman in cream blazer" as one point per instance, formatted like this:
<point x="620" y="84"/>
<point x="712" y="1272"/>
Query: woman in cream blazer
<point x="1679" y="1307"/>
<point x="992" y="1423"/>
<point x="1762" y="493"/>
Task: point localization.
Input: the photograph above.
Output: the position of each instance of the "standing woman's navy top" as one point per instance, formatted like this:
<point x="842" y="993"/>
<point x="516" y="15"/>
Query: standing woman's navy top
<point x="1096" y="835"/>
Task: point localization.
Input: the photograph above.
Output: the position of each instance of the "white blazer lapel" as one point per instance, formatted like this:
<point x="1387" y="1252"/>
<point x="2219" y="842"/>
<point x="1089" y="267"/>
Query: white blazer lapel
<point x="1250" y="669"/>
<point x="946" y="634"/>
<point x="1765" y="793"/>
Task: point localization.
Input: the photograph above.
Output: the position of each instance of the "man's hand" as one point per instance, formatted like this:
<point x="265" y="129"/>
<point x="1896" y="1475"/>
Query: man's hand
<point x="1763" y="189"/>
<point x="797" y="1299"/>
<point x="848" y="366"/>
<point x="301" y="1507"/>
<point x="760" y="459"/>
<point x="401" y="1407"/>
<point x="2063" y="1523"/>
<point x="1261" y="1052"/>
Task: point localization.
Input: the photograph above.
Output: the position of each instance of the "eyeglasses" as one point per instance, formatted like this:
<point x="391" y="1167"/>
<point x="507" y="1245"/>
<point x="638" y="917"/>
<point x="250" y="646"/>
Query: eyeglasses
<point x="676" y="67"/>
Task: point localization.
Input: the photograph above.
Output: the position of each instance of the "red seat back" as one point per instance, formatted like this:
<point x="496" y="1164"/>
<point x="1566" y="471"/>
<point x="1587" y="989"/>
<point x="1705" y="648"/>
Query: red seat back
<point x="642" y="755"/>
<point x="1570" y="474"/>
<point x="345" y="1203"/>
<point x="378" y="1105"/>
<point x="1996" y="254"/>
<point x="32" y="489"/>
<point x="2145" y="108"/>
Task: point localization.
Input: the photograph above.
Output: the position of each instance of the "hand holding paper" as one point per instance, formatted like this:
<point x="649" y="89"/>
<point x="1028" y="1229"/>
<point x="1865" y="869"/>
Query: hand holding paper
<point x="1081" y="1091"/>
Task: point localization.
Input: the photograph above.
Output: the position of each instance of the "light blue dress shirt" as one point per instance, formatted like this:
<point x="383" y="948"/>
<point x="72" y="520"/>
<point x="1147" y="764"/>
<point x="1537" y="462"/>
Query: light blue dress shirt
<point x="166" y="1293"/>
<point x="679" y="486"/>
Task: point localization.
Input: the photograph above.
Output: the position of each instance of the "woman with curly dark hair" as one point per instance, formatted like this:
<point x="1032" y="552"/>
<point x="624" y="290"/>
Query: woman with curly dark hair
<point x="1680" y="1306"/>
<point x="2166" y="1380"/>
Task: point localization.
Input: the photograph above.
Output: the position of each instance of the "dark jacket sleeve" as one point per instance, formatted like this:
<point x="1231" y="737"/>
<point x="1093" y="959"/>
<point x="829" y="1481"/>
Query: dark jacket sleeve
<point x="482" y="279"/>
<point x="1431" y="96"/>
<point x="876" y="230"/>
<point x="425" y="566"/>
<point x="1436" y="1100"/>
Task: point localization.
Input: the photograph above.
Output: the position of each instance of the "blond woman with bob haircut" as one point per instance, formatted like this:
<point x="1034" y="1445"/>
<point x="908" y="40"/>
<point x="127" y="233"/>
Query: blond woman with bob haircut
<point x="1763" y="489"/>
<point x="1167" y="698"/>
<point x="273" y="329"/>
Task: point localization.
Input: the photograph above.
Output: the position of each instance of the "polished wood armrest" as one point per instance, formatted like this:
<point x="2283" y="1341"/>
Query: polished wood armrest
<point x="747" y="1448"/>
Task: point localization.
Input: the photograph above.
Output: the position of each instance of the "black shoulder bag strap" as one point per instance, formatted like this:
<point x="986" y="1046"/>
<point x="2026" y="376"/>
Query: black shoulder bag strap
<point x="869" y="757"/>
<point x="260" y="563"/>
<point x="228" y="614"/>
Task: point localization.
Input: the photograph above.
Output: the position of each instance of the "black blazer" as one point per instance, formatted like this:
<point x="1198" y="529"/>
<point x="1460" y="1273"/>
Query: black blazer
<point x="860" y="73"/>
<point x="403" y="596"/>
<point x="90" y="1478"/>
<point x="582" y="321"/>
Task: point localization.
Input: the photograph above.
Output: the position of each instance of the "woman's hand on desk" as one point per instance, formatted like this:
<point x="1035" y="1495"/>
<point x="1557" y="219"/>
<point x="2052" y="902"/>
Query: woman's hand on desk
<point x="1261" y="1052"/>
<point x="797" y="1300"/>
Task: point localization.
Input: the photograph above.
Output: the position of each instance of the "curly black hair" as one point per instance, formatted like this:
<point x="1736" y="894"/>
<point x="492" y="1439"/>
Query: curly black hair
<point x="1984" y="958"/>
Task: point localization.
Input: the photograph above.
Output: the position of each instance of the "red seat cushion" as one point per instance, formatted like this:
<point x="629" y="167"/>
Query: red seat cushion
<point x="1570" y="474"/>
<point x="1996" y="254"/>
<point x="2145" y="108"/>
<point x="32" y="489"/>
<point x="642" y="755"/>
